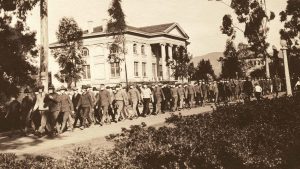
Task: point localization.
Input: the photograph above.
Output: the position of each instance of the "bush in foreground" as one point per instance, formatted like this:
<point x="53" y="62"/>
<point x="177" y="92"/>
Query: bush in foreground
<point x="255" y="135"/>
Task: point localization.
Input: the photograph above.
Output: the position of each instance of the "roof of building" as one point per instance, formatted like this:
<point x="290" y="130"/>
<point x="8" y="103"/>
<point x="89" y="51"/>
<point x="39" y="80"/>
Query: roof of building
<point x="148" y="31"/>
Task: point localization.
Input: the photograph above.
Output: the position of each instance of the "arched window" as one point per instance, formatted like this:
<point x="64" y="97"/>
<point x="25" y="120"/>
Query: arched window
<point x="114" y="48"/>
<point x="143" y="49"/>
<point x="85" y="52"/>
<point x="134" y="48"/>
<point x="86" y="66"/>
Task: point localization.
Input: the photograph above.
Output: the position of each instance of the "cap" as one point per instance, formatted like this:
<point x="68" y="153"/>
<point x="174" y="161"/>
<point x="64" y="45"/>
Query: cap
<point x="51" y="87"/>
<point x="84" y="87"/>
<point x="63" y="88"/>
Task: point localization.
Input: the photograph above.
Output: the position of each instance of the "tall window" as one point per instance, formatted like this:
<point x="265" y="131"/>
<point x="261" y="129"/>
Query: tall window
<point x="86" y="66"/>
<point x="115" y="69"/>
<point x="144" y="69"/>
<point x="86" y="72"/>
<point x="143" y="50"/>
<point x="153" y="69"/>
<point x="136" y="68"/>
<point x="85" y="52"/>
<point x="160" y="71"/>
<point x="114" y="48"/>
<point x="134" y="48"/>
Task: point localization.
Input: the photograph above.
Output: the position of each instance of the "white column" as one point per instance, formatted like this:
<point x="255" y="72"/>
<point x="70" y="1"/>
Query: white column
<point x="149" y="61"/>
<point x="163" y="61"/>
<point x="287" y="73"/>
<point x="267" y="67"/>
<point x="170" y="46"/>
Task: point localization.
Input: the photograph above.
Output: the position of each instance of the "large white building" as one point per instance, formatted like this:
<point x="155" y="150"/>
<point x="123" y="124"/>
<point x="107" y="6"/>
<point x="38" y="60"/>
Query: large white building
<point x="148" y="49"/>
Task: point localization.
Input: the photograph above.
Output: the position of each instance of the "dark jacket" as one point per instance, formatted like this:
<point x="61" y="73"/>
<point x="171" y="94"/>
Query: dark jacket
<point x="248" y="87"/>
<point x="75" y="99"/>
<point x="53" y="103"/>
<point x="66" y="104"/>
<point x="85" y="100"/>
<point x="158" y="94"/>
<point x="174" y="92"/>
<point x="27" y="104"/>
<point x="104" y="98"/>
<point x="13" y="109"/>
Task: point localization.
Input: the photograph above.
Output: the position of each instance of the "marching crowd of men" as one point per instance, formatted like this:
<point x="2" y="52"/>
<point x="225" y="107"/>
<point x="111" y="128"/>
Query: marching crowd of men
<point x="61" y="109"/>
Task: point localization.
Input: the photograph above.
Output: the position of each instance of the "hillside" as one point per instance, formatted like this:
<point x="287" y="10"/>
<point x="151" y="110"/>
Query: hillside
<point x="213" y="57"/>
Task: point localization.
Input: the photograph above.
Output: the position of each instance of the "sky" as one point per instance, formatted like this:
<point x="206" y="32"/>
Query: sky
<point x="200" y="19"/>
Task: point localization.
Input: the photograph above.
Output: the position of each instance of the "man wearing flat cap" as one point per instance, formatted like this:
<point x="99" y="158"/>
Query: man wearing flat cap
<point x="26" y="106"/>
<point x="66" y="108"/>
<point x="42" y="108"/>
<point x="85" y="103"/>
<point x="52" y="100"/>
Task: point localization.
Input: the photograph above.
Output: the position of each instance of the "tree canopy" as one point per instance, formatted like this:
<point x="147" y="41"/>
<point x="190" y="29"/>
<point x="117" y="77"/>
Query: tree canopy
<point x="180" y="63"/>
<point x="254" y="15"/>
<point x="204" y="71"/>
<point x="69" y="55"/>
<point x="17" y="46"/>
<point x="291" y="32"/>
<point x="231" y="66"/>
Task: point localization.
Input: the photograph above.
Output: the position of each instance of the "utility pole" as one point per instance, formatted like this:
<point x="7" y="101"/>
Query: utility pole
<point x="284" y="48"/>
<point x="44" y="44"/>
<point x="265" y="28"/>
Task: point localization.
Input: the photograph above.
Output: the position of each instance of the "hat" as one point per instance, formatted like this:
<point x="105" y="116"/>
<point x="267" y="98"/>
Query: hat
<point x="51" y="87"/>
<point x="27" y="90"/>
<point x="40" y="87"/>
<point x="84" y="87"/>
<point x="74" y="88"/>
<point x="88" y="86"/>
<point x="63" y="88"/>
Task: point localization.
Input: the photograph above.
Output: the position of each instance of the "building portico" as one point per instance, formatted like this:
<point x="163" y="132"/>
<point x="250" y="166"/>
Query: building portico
<point x="148" y="52"/>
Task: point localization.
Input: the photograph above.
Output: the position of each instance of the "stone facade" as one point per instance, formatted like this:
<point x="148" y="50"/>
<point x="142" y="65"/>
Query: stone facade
<point x="148" y="49"/>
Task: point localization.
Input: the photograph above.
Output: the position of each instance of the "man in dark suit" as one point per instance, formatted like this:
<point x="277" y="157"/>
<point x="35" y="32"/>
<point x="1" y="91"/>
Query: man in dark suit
<point x="75" y="99"/>
<point x="66" y="108"/>
<point x="26" y="107"/>
<point x="85" y="103"/>
<point x="52" y="101"/>
<point x="13" y="115"/>
<point x="158" y="98"/>
<point x="166" y="104"/>
<point x="103" y="102"/>
<point x="248" y="89"/>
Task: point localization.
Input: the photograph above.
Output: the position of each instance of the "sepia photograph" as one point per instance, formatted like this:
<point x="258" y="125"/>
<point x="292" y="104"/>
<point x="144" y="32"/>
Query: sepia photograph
<point x="149" y="84"/>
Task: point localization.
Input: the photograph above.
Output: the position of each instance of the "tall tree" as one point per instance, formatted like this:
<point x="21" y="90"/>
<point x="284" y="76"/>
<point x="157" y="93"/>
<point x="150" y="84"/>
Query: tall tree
<point x="204" y="70"/>
<point x="69" y="55"/>
<point x="191" y="71"/>
<point x="117" y="26"/>
<point x="17" y="46"/>
<point x="291" y="32"/>
<point x="231" y="66"/>
<point x="254" y="15"/>
<point x="180" y="63"/>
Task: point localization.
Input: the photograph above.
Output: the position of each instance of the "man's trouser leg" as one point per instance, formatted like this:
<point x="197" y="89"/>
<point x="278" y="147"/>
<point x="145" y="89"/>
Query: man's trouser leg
<point x="175" y="101"/>
<point x="53" y="119"/>
<point x="120" y="105"/>
<point x="105" y="116"/>
<point x="85" y="116"/>
<point x="44" y="122"/>
<point x="146" y="110"/>
<point x="134" y="107"/>
<point x="181" y="99"/>
<point x="66" y="116"/>
<point x="158" y="107"/>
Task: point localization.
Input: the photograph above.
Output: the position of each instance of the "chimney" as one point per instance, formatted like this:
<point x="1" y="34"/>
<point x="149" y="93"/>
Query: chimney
<point x="90" y="26"/>
<point x="104" y="25"/>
